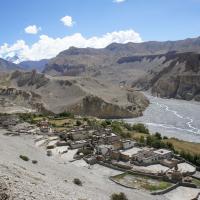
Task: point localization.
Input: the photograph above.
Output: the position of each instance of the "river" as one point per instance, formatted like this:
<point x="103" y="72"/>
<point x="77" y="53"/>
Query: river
<point x="172" y="118"/>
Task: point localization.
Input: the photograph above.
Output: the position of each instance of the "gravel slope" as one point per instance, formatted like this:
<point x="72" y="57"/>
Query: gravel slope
<point x="52" y="178"/>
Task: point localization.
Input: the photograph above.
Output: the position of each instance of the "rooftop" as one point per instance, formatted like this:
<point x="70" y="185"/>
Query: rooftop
<point x="131" y="151"/>
<point x="162" y="151"/>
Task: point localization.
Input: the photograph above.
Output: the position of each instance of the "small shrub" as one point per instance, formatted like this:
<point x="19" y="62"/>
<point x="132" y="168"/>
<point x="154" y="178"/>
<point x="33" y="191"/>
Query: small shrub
<point x="141" y="128"/>
<point x="158" y="136"/>
<point x="142" y="139"/>
<point x="120" y="196"/>
<point x="24" y="158"/>
<point x="78" y="123"/>
<point x="49" y="153"/>
<point x="50" y="147"/>
<point x="77" y="182"/>
<point x="65" y="114"/>
<point x="34" y="161"/>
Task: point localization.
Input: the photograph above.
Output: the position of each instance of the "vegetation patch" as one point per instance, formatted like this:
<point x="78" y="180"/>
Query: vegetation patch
<point x="196" y="182"/>
<point x="141" y="182"/>
<point x="120" y="196"/>
<point x="34" y="161"/>
<point x="24" y="158"/>
<point x="77" y="182"/>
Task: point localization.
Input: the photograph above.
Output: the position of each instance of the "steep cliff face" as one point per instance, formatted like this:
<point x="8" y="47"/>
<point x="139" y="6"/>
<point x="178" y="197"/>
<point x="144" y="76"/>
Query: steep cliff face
<point x="182" y="80"/>
<point x="95" y="106"/>
<point x="189" y="87"/>
<point x="13" y="100"/>
<point x="185" y="87"/>
<point x="177" y="76"/>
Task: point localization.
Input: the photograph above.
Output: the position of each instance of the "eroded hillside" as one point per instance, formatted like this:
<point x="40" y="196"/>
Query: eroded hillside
<point x="80" y="95"/>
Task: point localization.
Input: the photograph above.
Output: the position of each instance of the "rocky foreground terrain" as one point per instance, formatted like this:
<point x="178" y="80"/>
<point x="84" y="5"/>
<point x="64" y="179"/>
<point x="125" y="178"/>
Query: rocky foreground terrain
<point x="52" y="177"/>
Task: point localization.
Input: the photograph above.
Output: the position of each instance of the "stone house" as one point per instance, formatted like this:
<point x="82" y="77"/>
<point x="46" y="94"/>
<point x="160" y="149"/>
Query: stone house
<point x="163" y="154"/>
<point x="128" y="144"/>
<point x="80" y="134"/>
<point x="115" y="155"/>
<point x="117" y="145"/>
<point x="78" y="144"/>
<point x="44" y="126"/>
<point x="111" y="138"/>
<point x="104" y="149"/>
<point x="146" y="157"/>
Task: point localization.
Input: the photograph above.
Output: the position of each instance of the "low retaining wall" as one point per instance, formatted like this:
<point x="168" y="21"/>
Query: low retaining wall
<point x="111" y="178"/>
<point x="145" y="174"/>
<point x="196" y="177"/>
<point x="161" y="192"/>
<point x="167" y="190"/>
<point x="191" y="185"/>
<point x="111" y="166"/>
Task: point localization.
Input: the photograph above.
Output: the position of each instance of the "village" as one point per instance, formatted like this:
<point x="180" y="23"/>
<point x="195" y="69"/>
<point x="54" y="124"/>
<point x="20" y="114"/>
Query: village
<point x="156" y="171"/>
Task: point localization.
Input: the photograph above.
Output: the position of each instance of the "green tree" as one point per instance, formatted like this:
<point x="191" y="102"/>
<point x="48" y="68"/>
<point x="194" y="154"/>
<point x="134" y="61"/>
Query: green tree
<point x="158" y="136"/>
<point x="78" y="123"/>
<point x="142" y="140"/>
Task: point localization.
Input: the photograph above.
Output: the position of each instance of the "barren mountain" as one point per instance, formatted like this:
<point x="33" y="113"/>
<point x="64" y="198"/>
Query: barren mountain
<point x="6" y="66"/>
<point x="30" y="65"/>
<point x="172" y="75"/>
<point x="80" y="95"/>
<point x="168" y="68"/>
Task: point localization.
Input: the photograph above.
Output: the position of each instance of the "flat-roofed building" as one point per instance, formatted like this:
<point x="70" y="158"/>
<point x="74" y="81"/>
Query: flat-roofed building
<point x="163" y="154"/>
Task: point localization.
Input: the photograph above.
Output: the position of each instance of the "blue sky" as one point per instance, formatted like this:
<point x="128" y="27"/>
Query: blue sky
<point x="151" y="19"/>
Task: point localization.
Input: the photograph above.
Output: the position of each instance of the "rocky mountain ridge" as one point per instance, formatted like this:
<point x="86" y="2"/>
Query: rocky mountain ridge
<point x="6" y="66"/>
<point x="161" y="67"/>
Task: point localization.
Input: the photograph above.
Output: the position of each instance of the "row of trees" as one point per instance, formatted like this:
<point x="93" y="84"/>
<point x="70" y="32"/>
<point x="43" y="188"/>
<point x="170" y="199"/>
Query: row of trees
<point x="156" y="141"/>
<point x="195" y="159"/>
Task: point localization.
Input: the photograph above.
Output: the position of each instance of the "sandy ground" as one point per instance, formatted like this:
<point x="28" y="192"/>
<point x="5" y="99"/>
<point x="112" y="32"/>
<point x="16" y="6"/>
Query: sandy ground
<point x="52" y="178"/>
<point x="182" y="193"/>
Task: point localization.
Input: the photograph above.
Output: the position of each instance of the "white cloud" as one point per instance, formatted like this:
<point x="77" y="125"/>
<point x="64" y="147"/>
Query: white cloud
<point x="118" y="1"/>
<point x="67" y="21"/>
<point x="32" y="29"/>
<point x="48" y="47"/>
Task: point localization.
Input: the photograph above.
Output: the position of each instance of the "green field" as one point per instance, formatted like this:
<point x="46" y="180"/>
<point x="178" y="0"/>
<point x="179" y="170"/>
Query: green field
<point x="196" y="182"/>
<point x="141" y="182"/>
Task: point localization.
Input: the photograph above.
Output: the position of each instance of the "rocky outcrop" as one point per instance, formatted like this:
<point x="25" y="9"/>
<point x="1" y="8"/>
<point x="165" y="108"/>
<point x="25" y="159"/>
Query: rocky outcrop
<point x="30" y="79"/>
<point x="185" y="87"/>
<point x="95" y="106"/>
<point x="12" y="100"/>
<point x="181" y="80"/>
<point x="178" y="76"/>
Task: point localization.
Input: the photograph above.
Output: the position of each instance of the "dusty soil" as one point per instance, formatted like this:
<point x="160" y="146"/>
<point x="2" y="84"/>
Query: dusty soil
<point x="52" y="178"/>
